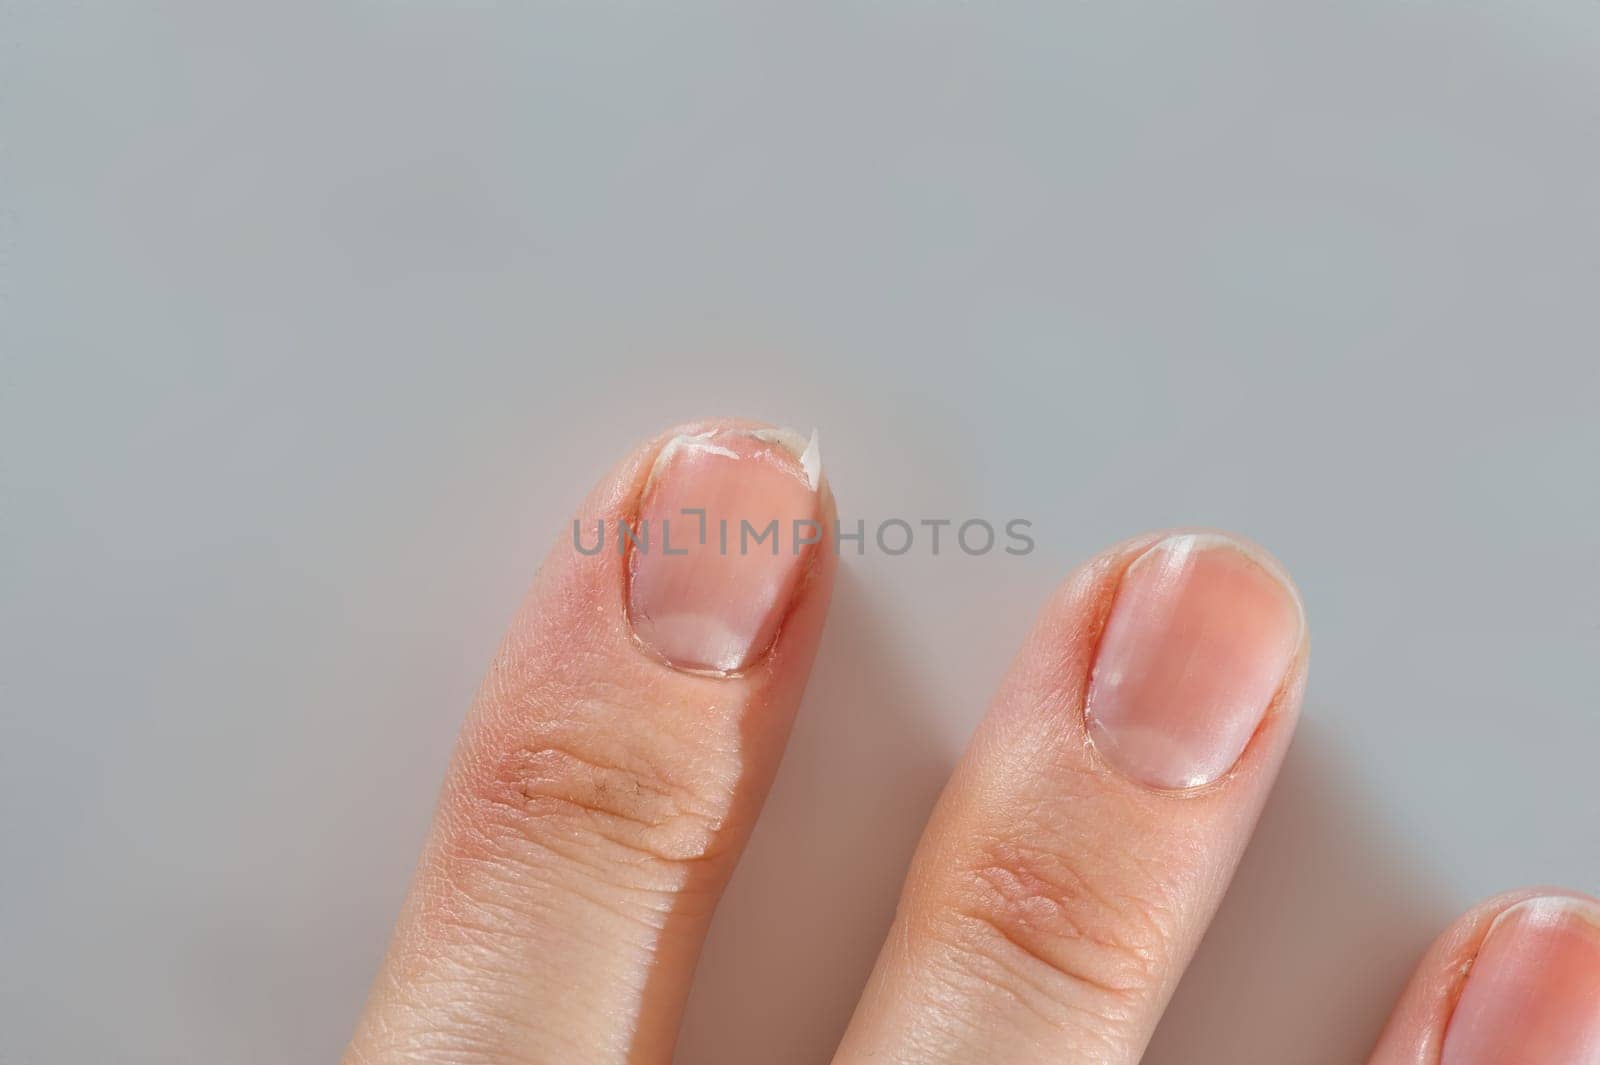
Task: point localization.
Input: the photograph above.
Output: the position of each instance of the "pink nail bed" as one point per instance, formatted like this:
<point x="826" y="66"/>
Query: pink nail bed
<point x="1199" y="638"/>
<point x="1532" y="996"/>
<point x="708" y="592"/>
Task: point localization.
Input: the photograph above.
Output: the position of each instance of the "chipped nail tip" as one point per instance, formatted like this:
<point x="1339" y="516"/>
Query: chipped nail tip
<point x="804" y="449"/>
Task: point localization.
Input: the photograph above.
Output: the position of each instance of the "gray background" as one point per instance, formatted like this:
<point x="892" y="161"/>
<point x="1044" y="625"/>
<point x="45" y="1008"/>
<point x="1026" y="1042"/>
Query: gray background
<point x="320" y="318"/>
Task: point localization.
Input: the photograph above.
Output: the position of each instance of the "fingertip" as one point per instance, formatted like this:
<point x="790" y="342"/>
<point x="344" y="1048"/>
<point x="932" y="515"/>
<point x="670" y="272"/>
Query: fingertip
<point x="1179" y="657"/>
<point x="696" y="552"/>
<point x="1516" y="977"/>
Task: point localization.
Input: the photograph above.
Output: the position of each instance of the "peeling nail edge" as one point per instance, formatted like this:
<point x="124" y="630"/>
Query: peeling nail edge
<point x="806" y="451"/>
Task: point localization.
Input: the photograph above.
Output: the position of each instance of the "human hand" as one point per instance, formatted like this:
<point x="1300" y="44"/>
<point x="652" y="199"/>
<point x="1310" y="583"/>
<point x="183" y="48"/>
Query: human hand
<point x="617" y="756"/>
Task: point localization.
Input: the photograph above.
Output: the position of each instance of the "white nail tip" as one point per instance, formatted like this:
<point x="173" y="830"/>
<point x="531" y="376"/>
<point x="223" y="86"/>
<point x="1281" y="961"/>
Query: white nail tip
<point x="811" y="461"/>
<point x="807" y="451"/>
<point x="1552" y="910"/>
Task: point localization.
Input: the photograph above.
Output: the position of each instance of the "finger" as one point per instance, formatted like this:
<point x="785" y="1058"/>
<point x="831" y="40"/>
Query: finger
<point x="1516" y="981"/>
<point x="1084" y="841"/>
<point x="613" y="763"/>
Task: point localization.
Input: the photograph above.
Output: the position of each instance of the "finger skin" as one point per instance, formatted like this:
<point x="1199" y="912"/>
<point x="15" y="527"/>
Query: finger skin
<point x="1053" y="901"/>
<point x="592" y="812"/>
<point x="1415" y="1034"/>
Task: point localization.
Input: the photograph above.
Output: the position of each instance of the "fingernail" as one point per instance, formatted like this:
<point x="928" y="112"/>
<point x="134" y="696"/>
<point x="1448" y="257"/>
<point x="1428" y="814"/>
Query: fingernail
<point x="1200" y="636"/>
<point x="728" y="525"/>
<point x="1533" y="994"/>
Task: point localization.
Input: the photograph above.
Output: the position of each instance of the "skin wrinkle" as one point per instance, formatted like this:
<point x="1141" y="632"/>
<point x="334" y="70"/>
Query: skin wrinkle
<point x="980" y="958"/>
<point x="1056" y="918"/>
<point x="634" y="800"/>
<point x="515" y="843"/>
<point x="1089" y="1027"/>
<point x="1057" y="905"/>
<point x="490" y="889"/>
<point x="1034" y="897"/>
<point x="551" y="783"/>
<point x="1033" y="963"/>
